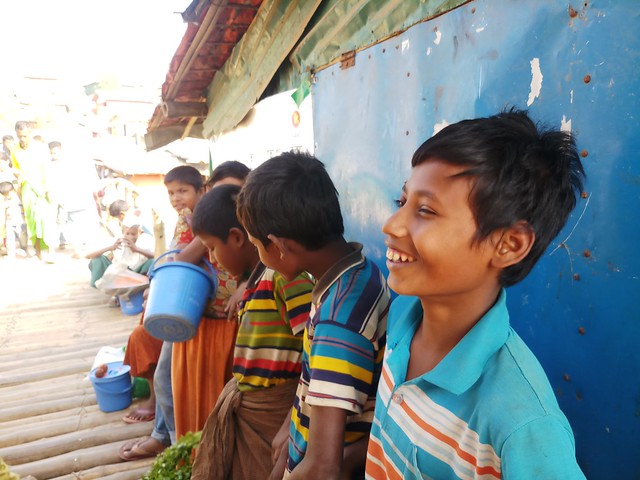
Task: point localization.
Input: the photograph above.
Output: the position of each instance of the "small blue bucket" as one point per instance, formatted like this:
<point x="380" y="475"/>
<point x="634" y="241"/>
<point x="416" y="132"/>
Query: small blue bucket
<point x="113" y="391"/>
<point x="178" y="294"/>
<point x="131" y="304"/>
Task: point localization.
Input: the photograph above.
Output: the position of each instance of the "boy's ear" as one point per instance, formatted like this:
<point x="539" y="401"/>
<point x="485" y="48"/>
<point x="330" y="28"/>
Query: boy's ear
<point x="237" y="237"/>
<point x="280" y="244"/>
<point x="513" y="245"/>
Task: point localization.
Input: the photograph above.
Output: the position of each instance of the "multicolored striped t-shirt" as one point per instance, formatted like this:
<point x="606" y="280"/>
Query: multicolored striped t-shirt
<point x="272" y="317"/>
<point x="343" y="349"/>
<point x="486" y="411"/>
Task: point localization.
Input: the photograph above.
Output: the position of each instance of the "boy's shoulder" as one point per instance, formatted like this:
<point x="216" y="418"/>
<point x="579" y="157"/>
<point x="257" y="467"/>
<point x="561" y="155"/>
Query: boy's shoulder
<point x="354" y="293"/>
<point x="264" y="280"/>
<point x="353" y="274"/>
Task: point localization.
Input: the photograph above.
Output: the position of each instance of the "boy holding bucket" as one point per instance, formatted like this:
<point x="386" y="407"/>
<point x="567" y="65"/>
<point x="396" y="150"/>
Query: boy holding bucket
<point x="189" y="375"/>
<point x="236" y="441"/>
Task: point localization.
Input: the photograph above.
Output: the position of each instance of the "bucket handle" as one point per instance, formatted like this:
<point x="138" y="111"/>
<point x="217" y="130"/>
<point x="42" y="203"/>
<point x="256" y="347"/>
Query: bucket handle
<point x="104" y="390"/>
<point x="206" y="262"/>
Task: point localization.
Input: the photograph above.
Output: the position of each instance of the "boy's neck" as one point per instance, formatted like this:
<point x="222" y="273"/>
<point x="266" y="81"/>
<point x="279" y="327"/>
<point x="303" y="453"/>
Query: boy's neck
<point x="445" y="321"/>
<point x="317" y="262"/>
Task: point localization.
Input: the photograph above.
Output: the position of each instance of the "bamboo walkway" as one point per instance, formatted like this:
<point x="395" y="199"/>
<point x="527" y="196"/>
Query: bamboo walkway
<point x="52" y="324"/>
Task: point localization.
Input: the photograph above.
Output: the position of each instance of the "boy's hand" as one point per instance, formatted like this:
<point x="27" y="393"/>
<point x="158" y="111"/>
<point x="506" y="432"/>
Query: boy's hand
<point x="233" y="305"/>
<point x="324" y="456"/>
<point x="279" y="465"/>
<point x="280" y="442"/>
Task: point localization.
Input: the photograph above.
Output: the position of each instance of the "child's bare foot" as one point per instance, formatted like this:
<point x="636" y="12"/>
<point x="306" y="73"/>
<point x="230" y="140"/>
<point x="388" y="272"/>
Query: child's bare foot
<point x="144" y="412"/>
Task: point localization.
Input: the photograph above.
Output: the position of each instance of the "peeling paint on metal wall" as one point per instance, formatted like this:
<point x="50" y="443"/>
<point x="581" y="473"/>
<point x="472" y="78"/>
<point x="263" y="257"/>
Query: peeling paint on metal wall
<point x="577" y="68"/>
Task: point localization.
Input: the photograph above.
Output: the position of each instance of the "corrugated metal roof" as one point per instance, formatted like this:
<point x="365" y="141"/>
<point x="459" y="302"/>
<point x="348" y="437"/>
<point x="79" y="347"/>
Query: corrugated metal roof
<point x="215" y="28"/>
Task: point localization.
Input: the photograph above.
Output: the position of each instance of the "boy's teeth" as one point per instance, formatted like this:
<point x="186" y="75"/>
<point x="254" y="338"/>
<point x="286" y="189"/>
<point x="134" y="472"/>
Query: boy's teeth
<point x="395" y="256"/>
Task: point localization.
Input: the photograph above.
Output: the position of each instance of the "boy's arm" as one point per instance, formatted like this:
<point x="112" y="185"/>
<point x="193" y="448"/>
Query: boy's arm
<point x="102" y="251"/>
<point x="323" y="458"/>
<point x="142" y="251"/>
<point x="279" y="450"/>
<point x="543" y="448"/>
<point x="192" y="252"/>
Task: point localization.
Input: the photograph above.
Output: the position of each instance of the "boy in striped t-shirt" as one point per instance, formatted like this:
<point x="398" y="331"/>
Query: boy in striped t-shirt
<point x="345" y="335"/>
<point x="461" y="396"/>
<point x="236" y="440"/>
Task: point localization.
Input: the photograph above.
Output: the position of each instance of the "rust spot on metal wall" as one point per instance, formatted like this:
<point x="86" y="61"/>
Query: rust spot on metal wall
<point x="584" y="153"/>
<point x="573" y="13"/>
<point x="587" y="78"/>
<point x="576" y="277"/>
<point x="348" y="59"/>
<point x="587" y="253"/>
<point x="581" y="330"/>
<point x="566" y="377"/>
<point x="584" y="195"/>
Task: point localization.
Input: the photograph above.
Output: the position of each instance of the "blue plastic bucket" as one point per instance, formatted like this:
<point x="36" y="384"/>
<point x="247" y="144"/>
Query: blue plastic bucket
<point x="131" y="304"/>
<point x="178" y="294"/>
<point x="113" y="391"/>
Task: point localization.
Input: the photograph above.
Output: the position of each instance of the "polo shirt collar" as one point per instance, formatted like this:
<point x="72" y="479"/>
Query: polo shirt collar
<point x="255" y="275"/>
<point x="336" y="271"/>
<point x="461" y="368"/>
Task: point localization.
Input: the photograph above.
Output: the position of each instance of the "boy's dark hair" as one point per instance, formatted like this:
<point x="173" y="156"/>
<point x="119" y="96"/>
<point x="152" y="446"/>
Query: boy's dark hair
<point x="185" y="174"/>
<point x="291" y="196"/>
<point x="519" y="172"/>
<point x="215" y="213"/>
<point x="230" y="169"/>
<point x="118" y="207"/>
<point x="5" y="187"/>
<point x="22" y="125"/>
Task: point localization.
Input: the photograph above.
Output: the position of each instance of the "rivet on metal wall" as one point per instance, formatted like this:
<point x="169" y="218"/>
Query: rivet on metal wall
<point x="576" y="276"/>
<point x="584" y="153"/>
<point x="581" y="330"/>
<point x="566" y="377"/>
<point x="584" y="195"/>
<point x="587" y="253"/>
<point x="587" y="78"/>
<point x="473" y="10"/>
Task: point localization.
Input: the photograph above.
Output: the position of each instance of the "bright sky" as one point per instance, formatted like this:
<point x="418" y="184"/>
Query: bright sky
<point x="83" y="40"/>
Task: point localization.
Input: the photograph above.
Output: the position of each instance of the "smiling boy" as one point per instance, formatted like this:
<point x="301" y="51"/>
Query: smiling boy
<point x="461" y="395"/>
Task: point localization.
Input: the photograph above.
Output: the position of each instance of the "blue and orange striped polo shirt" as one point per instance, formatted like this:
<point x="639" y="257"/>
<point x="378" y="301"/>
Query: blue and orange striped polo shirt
<point x="486" y="411"/>
<point x="343" y="349"/>
<point x="272" y="318"/>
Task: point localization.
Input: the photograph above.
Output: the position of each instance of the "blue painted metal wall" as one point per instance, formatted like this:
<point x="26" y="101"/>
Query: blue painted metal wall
<point x="578" y="310"/>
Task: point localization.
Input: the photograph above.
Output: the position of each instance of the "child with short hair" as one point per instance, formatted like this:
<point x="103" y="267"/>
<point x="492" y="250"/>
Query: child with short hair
<point x="124" y="253"/>
<point x="461" y="395"/>
<point x="189" y="375"/>
<point x="344" y="337"/>
<point x="236" y="441"/>
<point x="232" y="171"/>
<point x="10" y="217"/>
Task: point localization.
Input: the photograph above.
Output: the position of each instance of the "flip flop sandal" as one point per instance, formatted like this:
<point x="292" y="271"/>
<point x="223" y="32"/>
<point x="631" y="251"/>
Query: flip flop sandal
<point x="145" y="414"/>
<point x="133" y="450"/>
